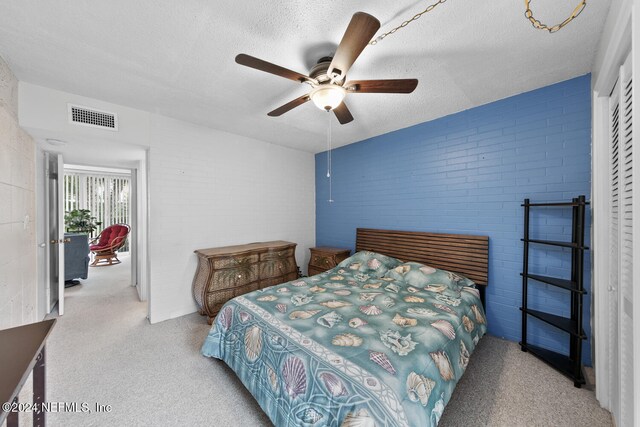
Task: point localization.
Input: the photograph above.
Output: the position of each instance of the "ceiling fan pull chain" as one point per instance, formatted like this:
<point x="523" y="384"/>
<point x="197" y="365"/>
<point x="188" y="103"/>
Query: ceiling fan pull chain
<point x="329" y="155"/>
<point x="329" y="146"/>
<point x="540" y="26"/>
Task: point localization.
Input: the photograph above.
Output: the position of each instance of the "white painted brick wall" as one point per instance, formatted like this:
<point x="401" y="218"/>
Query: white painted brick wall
<point x="210" y="188"/>
<point x="17" y="201"/>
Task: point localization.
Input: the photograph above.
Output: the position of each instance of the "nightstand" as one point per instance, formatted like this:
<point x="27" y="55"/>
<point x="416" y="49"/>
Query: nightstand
<point x="323" y="259"/>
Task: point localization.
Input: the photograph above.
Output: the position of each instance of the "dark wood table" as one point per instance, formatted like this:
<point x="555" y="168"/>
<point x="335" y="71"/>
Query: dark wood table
<point x="22" y="351"/>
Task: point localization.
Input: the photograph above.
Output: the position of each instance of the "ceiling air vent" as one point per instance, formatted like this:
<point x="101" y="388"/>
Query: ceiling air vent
<point x="91" y="117"/>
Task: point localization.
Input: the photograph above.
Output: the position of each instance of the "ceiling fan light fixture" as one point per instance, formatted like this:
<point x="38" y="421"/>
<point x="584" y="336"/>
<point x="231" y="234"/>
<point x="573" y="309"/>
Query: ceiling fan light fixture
<point x="327" y="97"/>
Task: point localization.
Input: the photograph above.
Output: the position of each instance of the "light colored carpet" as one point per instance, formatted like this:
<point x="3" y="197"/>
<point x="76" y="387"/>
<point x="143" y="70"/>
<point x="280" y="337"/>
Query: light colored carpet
<point x="104" y="351"/>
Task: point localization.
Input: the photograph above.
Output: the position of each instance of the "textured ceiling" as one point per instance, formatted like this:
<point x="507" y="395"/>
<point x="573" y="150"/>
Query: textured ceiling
<point x="177" y="58"/>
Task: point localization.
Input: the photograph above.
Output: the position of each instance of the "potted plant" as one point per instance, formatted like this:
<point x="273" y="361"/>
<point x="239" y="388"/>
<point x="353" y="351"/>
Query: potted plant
<point x="80" y="221"/>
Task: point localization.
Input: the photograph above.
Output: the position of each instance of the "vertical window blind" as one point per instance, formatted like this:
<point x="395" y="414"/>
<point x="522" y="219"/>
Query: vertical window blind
<point x="106" y="196"/>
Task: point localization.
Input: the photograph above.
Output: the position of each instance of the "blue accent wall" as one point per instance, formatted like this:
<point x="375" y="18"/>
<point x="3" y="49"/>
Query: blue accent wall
<point x="468" y="173"/>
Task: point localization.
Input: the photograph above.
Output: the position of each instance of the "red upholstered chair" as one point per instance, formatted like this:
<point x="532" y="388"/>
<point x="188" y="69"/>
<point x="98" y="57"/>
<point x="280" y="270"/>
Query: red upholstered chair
<point x="104" y="246"/>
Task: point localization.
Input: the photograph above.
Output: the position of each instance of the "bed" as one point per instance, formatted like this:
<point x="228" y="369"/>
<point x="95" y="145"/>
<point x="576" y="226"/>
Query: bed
<point x="380" y="340"/>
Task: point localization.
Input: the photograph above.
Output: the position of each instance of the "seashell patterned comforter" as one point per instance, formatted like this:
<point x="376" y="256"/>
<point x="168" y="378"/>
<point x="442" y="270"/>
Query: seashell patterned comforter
<point x="372" y="342"/>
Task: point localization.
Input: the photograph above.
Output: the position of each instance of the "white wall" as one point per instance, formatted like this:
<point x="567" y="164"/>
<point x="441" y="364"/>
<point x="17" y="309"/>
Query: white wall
<point x="210" y="188"/>
<point x="45" y="109"/>
<point x="206" y="188"/>
<point x="17" y="211"/>
<point x="613" y="40"/>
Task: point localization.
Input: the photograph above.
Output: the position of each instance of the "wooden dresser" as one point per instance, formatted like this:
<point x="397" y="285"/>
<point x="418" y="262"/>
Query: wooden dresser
<point x="226" y="272"/>
<point x="323" y="259"/>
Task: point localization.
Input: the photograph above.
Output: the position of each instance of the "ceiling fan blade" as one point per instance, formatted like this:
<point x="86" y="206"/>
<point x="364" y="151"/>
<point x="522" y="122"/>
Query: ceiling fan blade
<point x="359" y="33"/>
<point x="259" y="64"/>
<point x="381" y="86"/>
<point x="289" y="106"/>
<point x="343" y="114"/>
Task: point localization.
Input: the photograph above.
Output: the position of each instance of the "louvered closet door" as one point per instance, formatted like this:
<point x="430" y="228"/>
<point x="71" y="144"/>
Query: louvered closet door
<point x="614" y="249"/>
<point x="621" y="248"/>
<point x="626" y="170"/>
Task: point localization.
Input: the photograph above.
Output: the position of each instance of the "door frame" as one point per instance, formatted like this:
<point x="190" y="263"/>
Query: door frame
<point x="139" y="272"/>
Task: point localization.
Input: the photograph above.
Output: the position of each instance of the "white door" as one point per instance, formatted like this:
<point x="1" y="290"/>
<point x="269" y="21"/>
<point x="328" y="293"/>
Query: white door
<point x="626" y="275"/>
<point x="54" y="193"/>
<point x="621" y="237"/>
<point x="614" y="249"/>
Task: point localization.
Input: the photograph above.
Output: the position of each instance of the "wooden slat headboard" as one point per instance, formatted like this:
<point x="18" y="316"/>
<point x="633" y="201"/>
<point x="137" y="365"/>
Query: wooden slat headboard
<point x="463" y="254"/>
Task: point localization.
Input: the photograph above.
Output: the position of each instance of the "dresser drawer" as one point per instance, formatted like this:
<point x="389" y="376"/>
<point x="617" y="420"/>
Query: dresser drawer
<point x="278" y="254"/>
<point x="216" y="299"/>
<point x="232" y="277"/>
<point x="323" y="259"/>
<point x="235" y="261"/>
<point x="277" y="267"/>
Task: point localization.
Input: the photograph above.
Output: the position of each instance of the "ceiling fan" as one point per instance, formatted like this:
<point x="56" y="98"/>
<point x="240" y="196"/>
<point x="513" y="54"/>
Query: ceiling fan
<point x="328" y="77"/>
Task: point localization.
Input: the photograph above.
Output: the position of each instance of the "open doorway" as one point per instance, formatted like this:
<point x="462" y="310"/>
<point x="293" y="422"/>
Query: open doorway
<point x="114" y="193"/>
<point x="91" y="215"/>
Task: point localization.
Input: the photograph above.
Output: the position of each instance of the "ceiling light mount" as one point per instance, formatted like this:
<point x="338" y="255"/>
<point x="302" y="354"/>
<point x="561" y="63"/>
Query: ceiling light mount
<point x="319" y="71"/>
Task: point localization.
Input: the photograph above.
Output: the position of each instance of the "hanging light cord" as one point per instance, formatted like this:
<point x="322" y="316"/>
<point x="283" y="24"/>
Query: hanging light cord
<point x="528" y="14"/>
<point x="553" y="28"/>
<point x="329" y="155"/>
<point x="407" y="22"/>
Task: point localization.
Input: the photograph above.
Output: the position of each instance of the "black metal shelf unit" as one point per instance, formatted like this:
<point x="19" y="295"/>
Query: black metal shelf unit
<point x="569" y="365"/>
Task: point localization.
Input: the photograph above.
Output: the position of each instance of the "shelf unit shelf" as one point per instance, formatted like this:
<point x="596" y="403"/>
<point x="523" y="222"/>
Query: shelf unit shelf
<point x="563" y="323"/>
<point x="560" y="283"/>
<point x="560" y="362"/>
<point x="571" y="364"/>
<point x="571" y="245"/>
<point x="556" y="204"/>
